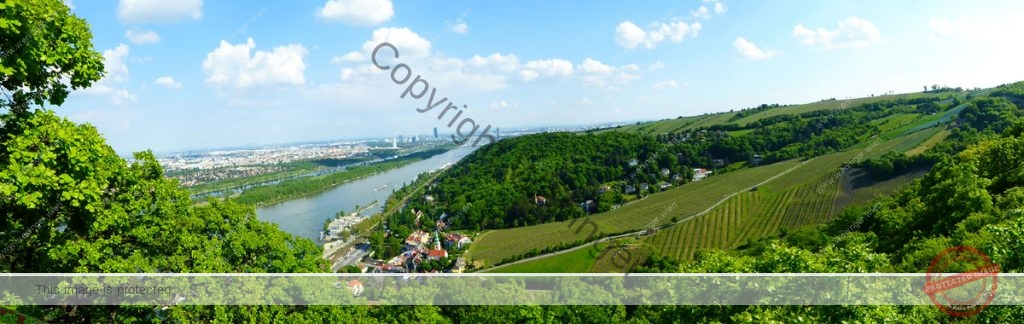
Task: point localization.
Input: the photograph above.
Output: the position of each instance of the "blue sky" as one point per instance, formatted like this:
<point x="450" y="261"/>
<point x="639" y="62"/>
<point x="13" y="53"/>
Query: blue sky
<point x="193" y="74"/>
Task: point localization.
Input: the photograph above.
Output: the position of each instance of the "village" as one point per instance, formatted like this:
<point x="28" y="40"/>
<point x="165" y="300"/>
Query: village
<point x="422" y="251"/>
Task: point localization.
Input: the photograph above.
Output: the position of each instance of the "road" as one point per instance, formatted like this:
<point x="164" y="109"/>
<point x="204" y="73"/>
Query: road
<point x="610" y="238"/>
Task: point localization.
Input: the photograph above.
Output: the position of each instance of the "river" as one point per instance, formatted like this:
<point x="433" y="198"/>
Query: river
<point x="305" y="216"/>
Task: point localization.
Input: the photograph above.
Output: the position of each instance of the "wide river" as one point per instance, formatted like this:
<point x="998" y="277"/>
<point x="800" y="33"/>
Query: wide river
<point x="305" y="216"/>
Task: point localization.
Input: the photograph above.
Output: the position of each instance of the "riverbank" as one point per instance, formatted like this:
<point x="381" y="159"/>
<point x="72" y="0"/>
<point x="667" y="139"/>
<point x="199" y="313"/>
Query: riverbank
<point x="301" y="187"/>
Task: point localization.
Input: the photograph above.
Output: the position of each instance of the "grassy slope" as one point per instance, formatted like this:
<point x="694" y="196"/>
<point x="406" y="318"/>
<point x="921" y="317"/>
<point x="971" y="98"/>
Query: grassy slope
<point x="493" y="246"/>
<point x="575" y="261"/>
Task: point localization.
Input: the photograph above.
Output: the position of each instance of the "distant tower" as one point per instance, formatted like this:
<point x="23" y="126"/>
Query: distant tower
<point x="437" y="241"/>
<point x="435" y="132"/>
<point x="498" y="132"/>
<point x="394" y="143"/>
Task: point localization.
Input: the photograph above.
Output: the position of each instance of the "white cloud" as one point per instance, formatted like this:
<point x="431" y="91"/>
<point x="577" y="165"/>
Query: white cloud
<point x="594" y="66"/>
<point x="718" y="6"/>
<point x="656" y="66"/>
<point x="140" y="36"/>
<point x="942" y="27"/>
<point x="701" y="12"/>
<point x="665" y="85"/>
<point x="70" y="4"/>
<point x="239" y="67"/>
<point x="111" y="85"/>
<point x="629" y="35"/>
<point x="751" y="51"/>
<point x="552" y="67"/>
<point x="852" y="32"/>
<point x="358" y="12"/>
<point x="350" y="57"/>
<point x="479" y="72"/>
<point x="408" y="43"/>
<point x="528" y="75"/>
<point x="460" y="28"/>
<point x="597" y="74"/>
<point x="117" y="95"/>
<point x="496" y="61"/>
<point x="167" y="82"/>
<point x="156" y="11"/>
<point x="113" y="62"/>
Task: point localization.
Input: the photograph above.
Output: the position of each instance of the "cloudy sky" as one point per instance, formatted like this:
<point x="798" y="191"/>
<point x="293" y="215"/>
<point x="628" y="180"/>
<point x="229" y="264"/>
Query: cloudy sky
<point x="192" y="74"/>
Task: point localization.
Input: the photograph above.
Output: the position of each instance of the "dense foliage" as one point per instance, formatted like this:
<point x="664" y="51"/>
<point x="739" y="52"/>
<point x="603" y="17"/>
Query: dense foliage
<point x="504" y="180"/>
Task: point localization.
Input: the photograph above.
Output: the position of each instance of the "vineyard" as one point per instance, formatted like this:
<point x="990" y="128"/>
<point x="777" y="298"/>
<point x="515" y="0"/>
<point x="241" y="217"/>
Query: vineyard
<point x="747" y="216"/>
<point x="788" y="202"/>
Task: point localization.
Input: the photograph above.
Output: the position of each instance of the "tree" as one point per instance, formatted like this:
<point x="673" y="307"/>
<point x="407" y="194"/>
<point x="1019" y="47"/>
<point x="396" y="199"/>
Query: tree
<point x="44" y="46"/>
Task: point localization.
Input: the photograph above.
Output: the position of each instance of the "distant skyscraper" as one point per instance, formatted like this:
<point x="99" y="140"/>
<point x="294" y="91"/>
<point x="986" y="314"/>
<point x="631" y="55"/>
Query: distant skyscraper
<point x="394" y="143"/>
<point x="435" y="132"/>
<point x="497" y="132"/>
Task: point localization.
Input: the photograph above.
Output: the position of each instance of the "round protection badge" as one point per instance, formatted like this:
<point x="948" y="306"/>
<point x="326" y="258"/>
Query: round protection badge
<point x="961" y="281"/>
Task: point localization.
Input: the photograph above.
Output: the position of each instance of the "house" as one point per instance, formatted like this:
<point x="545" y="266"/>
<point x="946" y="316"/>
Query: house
<point x="441" y="225"/>
<point x="700" y="174"/>
<point x="665" y="171"/>
<point x="418" y="237"/>
<point x="419" y="214"/>
<point x="603" y="189"/>
<point x="356" y="287"/>
<point x="428" y="198"/>
<point x="718" y="162"/>
<point x="633" y="162"/>
<point x="644" y="186"/>
<point x="663" y="185"/>
<point x="334" y="229"/>
<point x="755" y="160"/>
<point x="539" y="200"/>
<point x="437" y="254"/>
<point x="457" y="240"/>
<point x="630" y="189"/>
<point x="588" y="206"/>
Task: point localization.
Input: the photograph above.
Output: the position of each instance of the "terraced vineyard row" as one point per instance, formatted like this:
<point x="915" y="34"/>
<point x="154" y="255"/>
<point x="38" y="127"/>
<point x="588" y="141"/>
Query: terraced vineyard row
<point x="747" y="216"/>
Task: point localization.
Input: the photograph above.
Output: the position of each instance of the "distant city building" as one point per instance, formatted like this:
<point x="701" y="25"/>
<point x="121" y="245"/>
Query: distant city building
<point x="435" y="132"/>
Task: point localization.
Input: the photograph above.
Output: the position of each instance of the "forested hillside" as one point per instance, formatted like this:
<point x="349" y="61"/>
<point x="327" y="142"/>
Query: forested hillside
<point x="543" y="178"/>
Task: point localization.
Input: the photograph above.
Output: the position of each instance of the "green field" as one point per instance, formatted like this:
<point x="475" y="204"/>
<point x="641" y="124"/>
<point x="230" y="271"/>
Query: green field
<point x="935" y="139"/>
<point x="577" y="261"/>
<point x="494" y="246"/>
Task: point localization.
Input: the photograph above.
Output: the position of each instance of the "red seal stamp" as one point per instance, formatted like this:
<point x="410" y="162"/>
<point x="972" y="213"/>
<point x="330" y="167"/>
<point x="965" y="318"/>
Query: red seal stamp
<point x="961" y="281"/>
